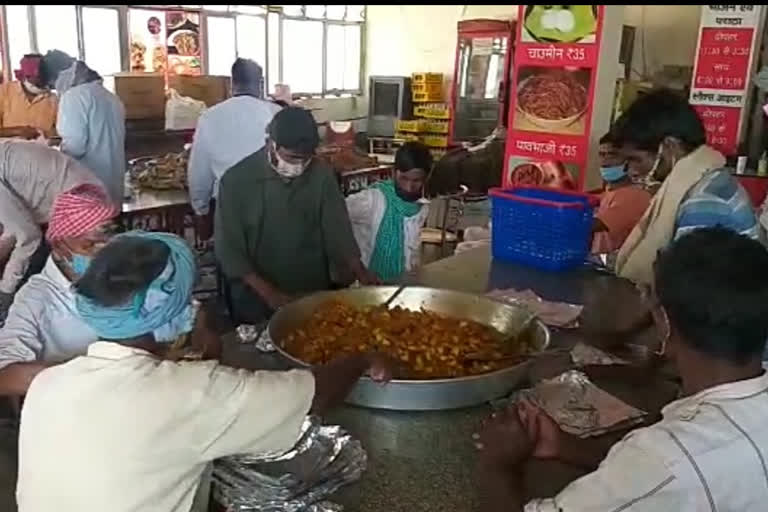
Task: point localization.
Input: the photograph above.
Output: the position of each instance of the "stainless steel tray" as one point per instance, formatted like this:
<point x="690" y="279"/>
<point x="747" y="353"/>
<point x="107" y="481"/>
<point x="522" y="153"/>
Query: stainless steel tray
<point x="415" y="395"/>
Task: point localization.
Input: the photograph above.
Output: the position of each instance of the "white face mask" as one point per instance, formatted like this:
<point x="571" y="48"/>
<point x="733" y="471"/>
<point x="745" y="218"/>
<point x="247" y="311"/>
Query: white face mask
<point x="287" y="169"/>
<point x="32" y="88"/>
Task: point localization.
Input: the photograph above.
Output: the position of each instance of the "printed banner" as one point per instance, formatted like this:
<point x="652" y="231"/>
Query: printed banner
<point x="721" y="72"/>
<point x="552" y="95"/>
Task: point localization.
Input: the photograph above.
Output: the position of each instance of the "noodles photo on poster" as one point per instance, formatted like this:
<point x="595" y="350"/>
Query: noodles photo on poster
<point x="523" y="171"/>
<point x="552" y="100"/>
<point x="560" y="24"/>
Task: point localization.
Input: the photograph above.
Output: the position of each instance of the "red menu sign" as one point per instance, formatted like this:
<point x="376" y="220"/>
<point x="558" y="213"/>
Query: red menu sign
<point x="721" y="72"/>
<point x="556" y="56"/>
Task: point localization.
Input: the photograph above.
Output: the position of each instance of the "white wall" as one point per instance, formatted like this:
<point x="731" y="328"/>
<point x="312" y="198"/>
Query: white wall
<point x="402" y="39"/>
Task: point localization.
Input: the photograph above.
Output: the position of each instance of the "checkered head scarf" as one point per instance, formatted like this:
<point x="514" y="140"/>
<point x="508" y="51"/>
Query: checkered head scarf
<point x="80" y="211"/>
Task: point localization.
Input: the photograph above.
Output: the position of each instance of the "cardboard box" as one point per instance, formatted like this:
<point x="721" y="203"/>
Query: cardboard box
<point x="142" y="94"/>
<point x="208" y="88"/>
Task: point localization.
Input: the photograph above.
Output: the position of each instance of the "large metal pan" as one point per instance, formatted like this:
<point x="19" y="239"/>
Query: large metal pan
<point x="415" y="395"/>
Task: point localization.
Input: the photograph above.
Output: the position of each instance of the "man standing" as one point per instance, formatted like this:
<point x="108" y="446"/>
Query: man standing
<point x="387" y="218"/>
<point x="27" y="107"/>
<point x="92" y="125"/>
<point x="281" y="221"/>
<point x="225" y="134"/>
<point x="31" y="176"/>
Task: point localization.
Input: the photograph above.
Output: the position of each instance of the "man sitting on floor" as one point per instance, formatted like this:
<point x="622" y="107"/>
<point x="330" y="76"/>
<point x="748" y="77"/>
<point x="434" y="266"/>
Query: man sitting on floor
<point x="708" y="451"/>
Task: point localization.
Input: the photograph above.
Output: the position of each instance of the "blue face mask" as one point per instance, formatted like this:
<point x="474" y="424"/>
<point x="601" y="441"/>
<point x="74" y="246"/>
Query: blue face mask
<point x="79" y="264"/>
<point x="613" y="173"/>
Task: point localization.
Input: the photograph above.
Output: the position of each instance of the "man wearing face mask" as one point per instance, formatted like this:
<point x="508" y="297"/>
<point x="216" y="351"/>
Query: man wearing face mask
<point x="622" y="203"/>
<point x="662" y="135"/>
<point x="27" y="107"/>
<point x="31" y="176"/>
<point x="42" y="325"/>
<point x="281" y="223"/>
<point x="387" y="218"/>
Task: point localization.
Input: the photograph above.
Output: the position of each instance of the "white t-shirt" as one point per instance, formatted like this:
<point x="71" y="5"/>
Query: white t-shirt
<point x="123" y="431"/>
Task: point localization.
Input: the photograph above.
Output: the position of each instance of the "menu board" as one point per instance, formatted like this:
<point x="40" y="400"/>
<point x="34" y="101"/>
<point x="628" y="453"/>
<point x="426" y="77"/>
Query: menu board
<point x="555" y="69"/>
<point x="148" y="49"/>
<point x="183" y="43"/>
<point x="724" y="58"/>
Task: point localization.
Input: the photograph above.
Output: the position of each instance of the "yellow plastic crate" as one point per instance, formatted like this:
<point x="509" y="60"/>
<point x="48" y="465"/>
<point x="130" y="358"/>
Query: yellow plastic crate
<point x="412" y="126"/>
<point x="424" y="78"/>
<point x="433" y="111"/>
<point x="433" y="126"/>
<point x="424" y="97"/>
<point x="407" y="137"/>
<point x="435" y="141"/>
<point x="428" y="88"/>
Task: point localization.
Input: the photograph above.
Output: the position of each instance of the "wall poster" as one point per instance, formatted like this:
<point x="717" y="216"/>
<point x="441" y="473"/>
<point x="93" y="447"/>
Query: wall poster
<point x="555" y="65"/>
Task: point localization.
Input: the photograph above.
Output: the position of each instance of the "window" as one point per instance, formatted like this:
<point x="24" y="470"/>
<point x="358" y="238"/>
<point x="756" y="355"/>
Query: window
<point x="343" y="51"/>
<point x="302" y="44"/>
<point x="101" y="40"/>
<point x="19" y="41"/>
<point x="321" y="48"/>
<point x="221" y="45"/>
<point x="252" y="39"/>
<point x="56" y="29"/>
<point x="315" y="49"/>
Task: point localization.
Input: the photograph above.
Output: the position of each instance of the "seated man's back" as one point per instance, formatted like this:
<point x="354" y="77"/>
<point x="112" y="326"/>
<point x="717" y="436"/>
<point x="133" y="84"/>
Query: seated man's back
<point x="120" y="422"/>
<point x="706" y="454"/>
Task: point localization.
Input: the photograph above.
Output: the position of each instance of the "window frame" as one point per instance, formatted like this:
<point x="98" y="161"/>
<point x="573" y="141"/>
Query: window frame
<point x="231" y="12"/>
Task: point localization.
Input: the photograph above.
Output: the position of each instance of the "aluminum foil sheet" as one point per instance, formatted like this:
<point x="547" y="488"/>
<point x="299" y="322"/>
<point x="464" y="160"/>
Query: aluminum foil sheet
<point x="324" y="459"/>
<point x="578" y="406"/>
<point x="256" y="334"/>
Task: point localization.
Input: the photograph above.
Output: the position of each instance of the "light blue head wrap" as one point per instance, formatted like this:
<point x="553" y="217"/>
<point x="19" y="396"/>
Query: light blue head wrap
<point x="164" y="308"/>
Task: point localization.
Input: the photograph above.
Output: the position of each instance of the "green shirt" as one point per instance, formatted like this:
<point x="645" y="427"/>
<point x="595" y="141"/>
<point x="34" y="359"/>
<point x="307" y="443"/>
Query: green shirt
<point x="289" y="232"/>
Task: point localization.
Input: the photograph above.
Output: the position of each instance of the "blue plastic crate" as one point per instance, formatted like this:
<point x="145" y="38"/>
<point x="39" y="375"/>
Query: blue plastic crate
<point x="541" y="227"/>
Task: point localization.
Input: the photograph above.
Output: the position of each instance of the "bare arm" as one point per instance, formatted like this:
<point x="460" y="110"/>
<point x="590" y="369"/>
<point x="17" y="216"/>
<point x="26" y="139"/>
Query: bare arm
<point x="334" y="381"/>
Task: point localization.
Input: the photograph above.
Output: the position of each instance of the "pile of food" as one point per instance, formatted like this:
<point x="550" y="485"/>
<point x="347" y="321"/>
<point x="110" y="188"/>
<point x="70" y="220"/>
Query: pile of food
<point x="167" y="172"/>
<point x="427" y="344"/>
<point x="553" y="96"/>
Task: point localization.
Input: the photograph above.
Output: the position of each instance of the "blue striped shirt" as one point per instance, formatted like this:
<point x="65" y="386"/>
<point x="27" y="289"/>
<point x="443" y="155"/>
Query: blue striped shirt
<point x="718" y="199"/>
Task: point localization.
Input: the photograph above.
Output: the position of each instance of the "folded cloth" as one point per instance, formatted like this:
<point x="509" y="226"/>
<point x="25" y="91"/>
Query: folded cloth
<point x="79" y="211"/>
<point x="556" y="314"/>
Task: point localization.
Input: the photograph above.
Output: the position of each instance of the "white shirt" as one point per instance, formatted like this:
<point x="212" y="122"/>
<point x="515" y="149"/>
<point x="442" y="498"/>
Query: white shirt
<point x="225" y="134"/>
<point x="42" y="323"/>
<point x="366" y="210"/>
<point x="91" y="123"/>
<point x="708" y="453"/>
<point x="123" y="431"/>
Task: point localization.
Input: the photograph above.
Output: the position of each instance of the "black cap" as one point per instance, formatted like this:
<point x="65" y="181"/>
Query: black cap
<point x="295" y="129"/>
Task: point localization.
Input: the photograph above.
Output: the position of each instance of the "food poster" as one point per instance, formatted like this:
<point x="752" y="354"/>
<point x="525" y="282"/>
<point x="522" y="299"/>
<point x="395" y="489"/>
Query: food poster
<point x="148" y="49"/>
<point x="183" y="43"/>
<point x="724" y="60"/>
<point x="552" y="95"/>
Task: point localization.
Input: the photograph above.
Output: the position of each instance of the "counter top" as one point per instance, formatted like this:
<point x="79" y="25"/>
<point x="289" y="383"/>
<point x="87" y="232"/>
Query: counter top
<point x="424" y="461"/>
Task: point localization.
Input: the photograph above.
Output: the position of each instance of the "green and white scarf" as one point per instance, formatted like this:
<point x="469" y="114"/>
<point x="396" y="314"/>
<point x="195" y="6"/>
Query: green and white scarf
<point x="388" y="258"/>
